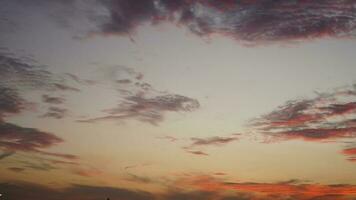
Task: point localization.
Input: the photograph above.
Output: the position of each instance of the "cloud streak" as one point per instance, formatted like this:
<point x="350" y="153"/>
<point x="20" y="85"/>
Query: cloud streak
<point x="215" y="141"/>
<point x="52" y="100"/>
<point x="55" y="112"/>
<point x="15" y="138"/>
<point x="10" y="102"/>
<point x="327" y="117"/>
<point x="250" y="21"/>
<point x="140" y="101"/>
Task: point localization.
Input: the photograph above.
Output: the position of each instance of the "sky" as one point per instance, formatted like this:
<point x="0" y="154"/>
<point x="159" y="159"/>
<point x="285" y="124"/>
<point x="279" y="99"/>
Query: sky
<point x="178" y="99"/>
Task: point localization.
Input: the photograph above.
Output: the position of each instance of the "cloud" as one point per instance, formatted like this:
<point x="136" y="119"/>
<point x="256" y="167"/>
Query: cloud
<point x="79" y="80"/>
<point x="169" y="138"/>
<point x="199" y="153"/>
<point x="204" y="142"/>
<point x="55" y="112"/>
<point x="16" y="169"/>
<point x="140" y="101"/>
<point x="150" y="110"/>
<point x="139" y="179"/>
<point x="22" y="72"/>
<point x="10" y="102"/>
<point x="21" y="75"/>
<point x="326" y="117"/>
<point x="204" y="188"/>
<point x="194" y="195"/>
<point x="250" y="21"/>
<point x="212" y="141"/>
<point x="63" y="87"/>
<point x="6" y="154"/>
<point x="351" y="153"/>
<point x="40" y="166"/>
<point x="25" y="73"/>
<point x="15" y="138"/>
<point x="87" y="172"/>
<point x="282" y="190"/>
<point x="52" y="100"/>
<point x="31" y="191"/>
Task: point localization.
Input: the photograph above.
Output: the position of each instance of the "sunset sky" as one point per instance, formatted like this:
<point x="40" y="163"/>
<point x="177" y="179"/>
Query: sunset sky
<point x="178" y="99"/>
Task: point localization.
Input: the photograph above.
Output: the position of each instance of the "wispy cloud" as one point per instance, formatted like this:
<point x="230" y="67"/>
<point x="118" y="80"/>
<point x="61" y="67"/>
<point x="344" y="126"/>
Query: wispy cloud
<point x="196" y="152"/>
<point x="212" y="141"/>
<point x="139" y="179"/>
<point x="351" y="153"/>
<point x="15" y="138"/>
<point x="87" y="172"/>
<point x="140" y="101"/>
<point x="16" y="169"/>
<point x="10" y="102"/>
<point x="55" y="112"/>
<point x="327" y="117"/>
<point x="6" y="154"/>
<point x="52" y="100"/>
<point x="197" y="143"/>
<point x="169" y="138"/>
<point x="25" y="73"/>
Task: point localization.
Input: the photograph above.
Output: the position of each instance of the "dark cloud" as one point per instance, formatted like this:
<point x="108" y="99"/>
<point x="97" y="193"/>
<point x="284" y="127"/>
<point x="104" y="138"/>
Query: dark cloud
<point x="25" y="73"/>
<point x="15" y="138"/>
<point x="97" y="192"/>
<point x="195" y="152"/>
<point x="209" y="141"/>
<point x="212" y="141"/>
<point x="195" y="195"/>
<point x="317" y="134"/>
<point x="251" y="21"/>
<point x="6" y="154"/>
<point x="14" y="191"/>
<point x="140" y="101"/>
<point x="63" y="87"/>
<point x="214" y="189"/>
<point x="55" y="112"/>
<point x="52" y="100"/>
<point x="22" y="72"/>
<point x="16" y="169"/>
<point x="10" y="102"/>
<point x="124" y="81"/>
<point x="292" y="114"/>
<point x="149" y="110"/>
